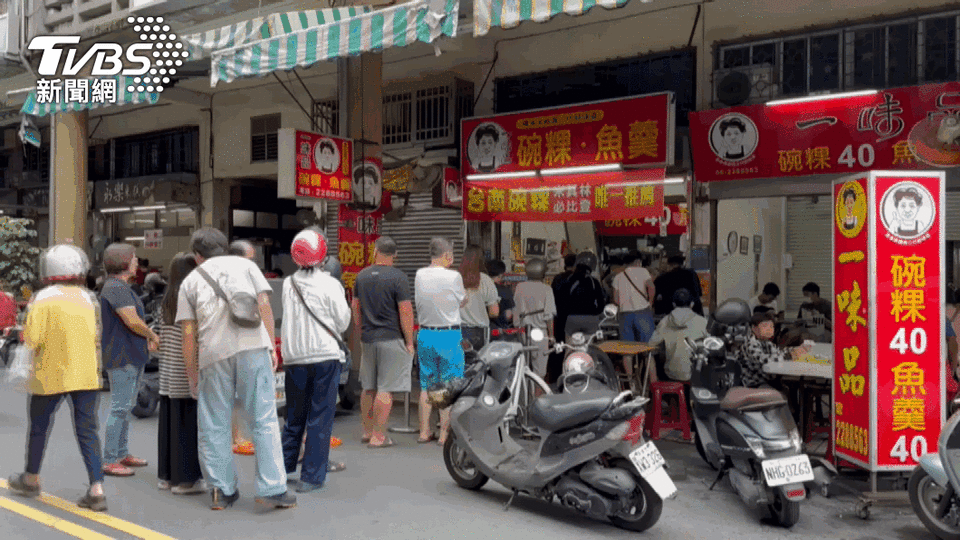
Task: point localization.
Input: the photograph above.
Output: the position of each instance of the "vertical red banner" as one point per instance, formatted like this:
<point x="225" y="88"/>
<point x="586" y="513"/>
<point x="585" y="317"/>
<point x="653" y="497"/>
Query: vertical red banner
<point x="909" y="315"/>
<point x="852" y="362"/>
<point x="356" y="238"/>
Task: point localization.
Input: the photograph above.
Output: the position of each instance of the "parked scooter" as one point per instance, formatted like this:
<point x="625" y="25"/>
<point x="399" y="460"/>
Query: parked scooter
<point x="148" y="395"/>
<point x="748" y="434"/>
<point x="9" y="343"/>
<point x="934" y="484"/>
<point x="583" y="449"/>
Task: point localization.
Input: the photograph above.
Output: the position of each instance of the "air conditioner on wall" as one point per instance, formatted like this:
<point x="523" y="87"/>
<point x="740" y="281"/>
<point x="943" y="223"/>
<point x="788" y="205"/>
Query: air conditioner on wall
<point x="744" y="85"/>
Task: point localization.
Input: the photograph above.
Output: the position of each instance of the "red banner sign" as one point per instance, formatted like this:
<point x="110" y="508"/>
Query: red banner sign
<point x="910" y="316"/>
<point x="893" y="129"/>
<point x="591" y="197"/>
<point x="634" y="131"/>
<point x="356" y="237"/>
<point x="310" y="165"/>
<point x="889" y="384"/>
<point x="852" y="355"/>
<point x="673" y="222"/>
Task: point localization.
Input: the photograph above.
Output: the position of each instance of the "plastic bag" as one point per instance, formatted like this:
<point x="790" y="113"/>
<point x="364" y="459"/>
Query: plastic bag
<point x="20" y="368"/>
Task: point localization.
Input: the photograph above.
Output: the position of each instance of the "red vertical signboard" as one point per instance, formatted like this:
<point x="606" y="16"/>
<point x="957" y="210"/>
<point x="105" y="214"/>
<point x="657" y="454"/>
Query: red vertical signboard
<point x="909" y="319"/>
<point x="851" y="338"/>
<point x="888" y="277"/>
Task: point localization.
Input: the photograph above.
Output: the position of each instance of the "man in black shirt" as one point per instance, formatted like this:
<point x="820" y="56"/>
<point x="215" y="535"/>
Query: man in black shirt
<point x="496" y="269"/>
<point x="675" y="278"/>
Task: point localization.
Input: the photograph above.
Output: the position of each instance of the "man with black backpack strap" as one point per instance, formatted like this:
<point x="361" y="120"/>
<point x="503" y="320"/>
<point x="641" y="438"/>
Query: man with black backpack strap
<point x="633" y="292"/>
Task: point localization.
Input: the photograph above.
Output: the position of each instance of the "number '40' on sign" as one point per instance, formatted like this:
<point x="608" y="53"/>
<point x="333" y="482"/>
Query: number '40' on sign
<point x="917" y="344"/>
<point x="918" y="447"/>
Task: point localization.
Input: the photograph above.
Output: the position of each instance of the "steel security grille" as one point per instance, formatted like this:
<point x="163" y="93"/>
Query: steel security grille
<point x="433" y="113"/>
<point x="263" y="137"/>
<point x="326" y="116"/>
<point x="397" y="123"/>
<point x="808" y="224"/>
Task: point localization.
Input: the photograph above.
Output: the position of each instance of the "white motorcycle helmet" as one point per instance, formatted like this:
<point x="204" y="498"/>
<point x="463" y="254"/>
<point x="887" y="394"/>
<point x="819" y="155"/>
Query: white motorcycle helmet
<point x="63" y="262"/>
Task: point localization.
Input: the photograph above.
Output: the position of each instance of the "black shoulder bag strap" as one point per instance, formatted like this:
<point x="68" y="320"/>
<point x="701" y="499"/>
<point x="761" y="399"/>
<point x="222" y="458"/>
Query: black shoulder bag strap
<point x="296" y="288"/>
<point x="214" y="284"/>
<point x="630" y="279"/>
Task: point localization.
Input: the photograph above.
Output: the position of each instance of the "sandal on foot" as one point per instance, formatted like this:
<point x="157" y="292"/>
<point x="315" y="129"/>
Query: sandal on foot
<point x="18" y="483"/>
<point x="364" y="439"/>
<point x="429" y="439"/>
<point x="386" y="442"/>
<point x="336" y="466"/>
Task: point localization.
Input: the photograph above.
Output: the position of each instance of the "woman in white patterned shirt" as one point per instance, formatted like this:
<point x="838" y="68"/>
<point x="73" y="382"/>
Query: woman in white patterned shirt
<point x="178" y="460"/>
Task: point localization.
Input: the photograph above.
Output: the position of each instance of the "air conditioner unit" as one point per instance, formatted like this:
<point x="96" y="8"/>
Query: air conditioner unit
<point x="745" y="85"/>
<point x="10" y="31"/>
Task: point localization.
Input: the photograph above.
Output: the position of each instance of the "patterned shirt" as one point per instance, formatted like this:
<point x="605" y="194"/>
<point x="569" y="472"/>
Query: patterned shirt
<point x="753" y="355"/>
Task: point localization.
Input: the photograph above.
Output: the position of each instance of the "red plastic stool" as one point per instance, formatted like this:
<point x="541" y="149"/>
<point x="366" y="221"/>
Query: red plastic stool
<point x="675" y="416"/>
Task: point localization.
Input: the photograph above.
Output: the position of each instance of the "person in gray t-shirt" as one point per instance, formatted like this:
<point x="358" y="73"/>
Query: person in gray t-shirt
<point x="383" y="314"/>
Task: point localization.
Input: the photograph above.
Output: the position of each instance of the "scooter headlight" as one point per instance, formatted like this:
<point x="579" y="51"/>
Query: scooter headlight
<point x="756" y="444"/>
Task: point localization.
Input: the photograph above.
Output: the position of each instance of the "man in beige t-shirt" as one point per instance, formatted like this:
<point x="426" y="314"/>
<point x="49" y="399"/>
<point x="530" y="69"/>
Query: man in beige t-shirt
<point x="633" y="291"/>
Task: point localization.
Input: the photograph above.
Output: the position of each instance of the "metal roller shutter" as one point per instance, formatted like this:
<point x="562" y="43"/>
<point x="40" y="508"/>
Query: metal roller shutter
<point x="412" y="233"/>
<point x="808" y="243"/>
<point x="951" y="221"/>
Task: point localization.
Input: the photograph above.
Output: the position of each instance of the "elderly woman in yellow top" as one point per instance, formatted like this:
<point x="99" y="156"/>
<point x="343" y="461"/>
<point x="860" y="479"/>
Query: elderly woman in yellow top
<point x="63" y="331"/>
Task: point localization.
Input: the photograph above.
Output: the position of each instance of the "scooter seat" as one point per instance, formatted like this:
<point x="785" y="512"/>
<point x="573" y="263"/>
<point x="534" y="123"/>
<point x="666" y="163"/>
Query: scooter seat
<point x="556" y="412"/>
<point x="745" y="399"/>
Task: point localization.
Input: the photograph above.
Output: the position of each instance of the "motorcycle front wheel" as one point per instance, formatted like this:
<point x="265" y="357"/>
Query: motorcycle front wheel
<point x="643" y="509"/>
<point x="926" y="497"/>
<point x="461" y="469"/>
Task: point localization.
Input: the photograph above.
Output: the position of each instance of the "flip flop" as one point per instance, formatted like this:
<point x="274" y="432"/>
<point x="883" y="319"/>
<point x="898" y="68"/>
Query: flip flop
<point x="365" y="439"/>
<point x="428" y="440"/>
<point x="386" y="442"/>
<point x="336" y="466"/>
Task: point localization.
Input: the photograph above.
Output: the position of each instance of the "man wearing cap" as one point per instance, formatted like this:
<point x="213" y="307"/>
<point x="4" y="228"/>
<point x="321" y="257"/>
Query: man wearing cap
<point x="315" y="306"/>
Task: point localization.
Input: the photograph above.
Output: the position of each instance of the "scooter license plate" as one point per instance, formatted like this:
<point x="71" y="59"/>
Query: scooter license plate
<point x="789" y="470"/>
<point x="649" y="463"/>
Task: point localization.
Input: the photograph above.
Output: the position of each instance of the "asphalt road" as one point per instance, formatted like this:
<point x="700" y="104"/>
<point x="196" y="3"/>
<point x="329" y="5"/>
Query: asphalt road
<point x="398" y="493"/>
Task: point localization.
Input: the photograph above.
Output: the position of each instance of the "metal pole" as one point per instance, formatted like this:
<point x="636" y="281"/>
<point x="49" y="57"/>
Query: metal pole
<point x="407" y="428"/>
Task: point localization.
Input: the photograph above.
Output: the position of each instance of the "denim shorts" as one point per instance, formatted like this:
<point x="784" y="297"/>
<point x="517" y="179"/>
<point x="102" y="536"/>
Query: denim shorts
<point x="440" y="356"/>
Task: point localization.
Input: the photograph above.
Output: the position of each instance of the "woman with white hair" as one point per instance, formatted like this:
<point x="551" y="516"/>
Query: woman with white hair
<point x="312" y="359"/>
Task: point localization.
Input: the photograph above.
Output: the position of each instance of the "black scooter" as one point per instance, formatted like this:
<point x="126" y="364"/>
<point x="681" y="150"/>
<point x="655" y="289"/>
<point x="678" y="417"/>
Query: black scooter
<point x="748" y="434"/>
<point x="583" y="449"/>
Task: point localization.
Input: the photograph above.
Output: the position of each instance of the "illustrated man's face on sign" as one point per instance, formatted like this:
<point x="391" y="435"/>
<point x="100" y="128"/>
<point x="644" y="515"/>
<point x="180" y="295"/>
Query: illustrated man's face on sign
<point x="907" y="207"/>
<point x="367" y="189"/>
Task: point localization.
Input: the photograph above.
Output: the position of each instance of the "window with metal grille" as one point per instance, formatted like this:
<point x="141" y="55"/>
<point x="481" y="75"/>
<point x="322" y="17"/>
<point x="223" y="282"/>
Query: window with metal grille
<point x="37" y="161"/>
<point x="433" y="113"/>
<point x="263" y="137"/>
<point x="326" y="116"/>
<point x="901" y="52"/>
<point x="174" y="151"/>
<point x="397" y="123"/>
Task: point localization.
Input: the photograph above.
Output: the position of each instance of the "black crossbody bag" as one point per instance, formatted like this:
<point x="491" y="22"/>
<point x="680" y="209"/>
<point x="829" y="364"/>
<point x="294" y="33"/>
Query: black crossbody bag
<point x="340" y="342"/>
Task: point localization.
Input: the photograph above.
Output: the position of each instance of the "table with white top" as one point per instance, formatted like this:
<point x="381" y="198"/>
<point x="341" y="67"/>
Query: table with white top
<point x="800" y="370"/>
<point x="794" y="375"/>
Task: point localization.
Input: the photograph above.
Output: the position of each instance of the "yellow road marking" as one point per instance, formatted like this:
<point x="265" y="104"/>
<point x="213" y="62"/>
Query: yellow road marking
<point x="51" y="521"/>
<point x="99" y="517"/>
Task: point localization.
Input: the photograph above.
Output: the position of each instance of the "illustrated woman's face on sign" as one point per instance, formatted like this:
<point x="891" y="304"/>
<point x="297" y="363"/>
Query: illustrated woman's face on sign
<point x="366" y="188"/>
<point x="486" y="145"/>
<point x="849" y="200"/>
<point x="733" y="136"/>
<point x="907" y="207"/>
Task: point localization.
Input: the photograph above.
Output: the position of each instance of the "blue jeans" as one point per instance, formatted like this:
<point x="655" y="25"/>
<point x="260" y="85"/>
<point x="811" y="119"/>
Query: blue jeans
<point x="124" y="385"/>
<point x="42" y="410"/>
<point x="249" y="376"/>
<point x="311" y="404"/>
<point x="637" y="325"/>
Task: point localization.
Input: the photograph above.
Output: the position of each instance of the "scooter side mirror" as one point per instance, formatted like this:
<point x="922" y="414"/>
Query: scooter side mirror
<point x="610" y="311"/>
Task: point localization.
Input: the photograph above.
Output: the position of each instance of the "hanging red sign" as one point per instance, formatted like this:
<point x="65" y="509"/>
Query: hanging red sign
<point x="892" y="129"/>
<point x="673" y="222"/>
<point x="356" y="236"/>
<point x="590" y="197"/>
<point x="314" y="166"/>
<point x="633" y="131"/>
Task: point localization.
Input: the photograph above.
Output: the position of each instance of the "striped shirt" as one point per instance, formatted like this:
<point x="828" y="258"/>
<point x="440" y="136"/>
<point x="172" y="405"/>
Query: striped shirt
<point x="173" y="371"/>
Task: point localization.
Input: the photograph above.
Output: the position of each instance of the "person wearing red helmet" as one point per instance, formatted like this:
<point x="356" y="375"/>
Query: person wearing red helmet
<point x="62" y="329"/>
<point x="312" y="359"/>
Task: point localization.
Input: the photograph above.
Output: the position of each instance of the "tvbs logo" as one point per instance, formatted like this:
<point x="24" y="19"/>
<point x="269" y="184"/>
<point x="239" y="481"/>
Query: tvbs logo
<point x="158" y="51"/>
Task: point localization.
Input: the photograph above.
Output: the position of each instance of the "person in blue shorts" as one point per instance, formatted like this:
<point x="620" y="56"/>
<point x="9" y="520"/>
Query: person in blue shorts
<point x="439" y="295"/>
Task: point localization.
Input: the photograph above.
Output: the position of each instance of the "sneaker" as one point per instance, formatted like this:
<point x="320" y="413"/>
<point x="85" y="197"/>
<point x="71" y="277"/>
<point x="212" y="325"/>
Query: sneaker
<point x="244" y="448"/>
<point x="116" y="469"/>
<point x="131" y="461"/>
<point x="195" y="488"/>
<point x="163" y="485"/>
<point x="283" y="500"/>
<point x="221" y="501"/>
<point x="307" y="487"/>
<point x="97" y="503"/>
<point x="18" y="484"/>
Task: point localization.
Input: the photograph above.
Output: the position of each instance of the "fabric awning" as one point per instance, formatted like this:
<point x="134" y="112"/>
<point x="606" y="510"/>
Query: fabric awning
<point x="44" y="101"/>
<point x="397" y="26"/>
<point x="510" y="13"/>
<point x="202" y="44"/>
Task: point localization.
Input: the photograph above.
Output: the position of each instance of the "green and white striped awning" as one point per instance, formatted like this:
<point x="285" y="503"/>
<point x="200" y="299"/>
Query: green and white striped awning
<point x="44" y="101"/>
<point x="201" y="44"/>
<point x="510" y="13"/>
<point x="418" y="21"/>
